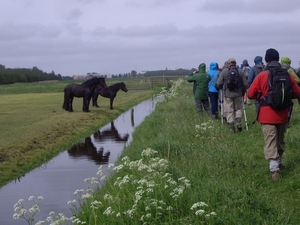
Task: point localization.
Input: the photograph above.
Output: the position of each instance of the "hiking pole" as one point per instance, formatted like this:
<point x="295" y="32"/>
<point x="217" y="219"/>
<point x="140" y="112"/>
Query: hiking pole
<point x="245" y="113"/>
<point x="221" y="101"/>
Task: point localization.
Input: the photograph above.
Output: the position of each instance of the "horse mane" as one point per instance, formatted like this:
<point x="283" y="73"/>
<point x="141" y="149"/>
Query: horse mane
<point x="116" y="84"/>
<point x="90" y="82"/>
<point x="94" y="81"/>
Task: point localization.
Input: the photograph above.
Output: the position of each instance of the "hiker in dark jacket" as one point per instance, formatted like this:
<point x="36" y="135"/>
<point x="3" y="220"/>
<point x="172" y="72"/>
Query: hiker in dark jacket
<point x="244" y="64"/>
<point x="233" y="100"/>
<point x="246" y="68"/>
<point x="253" y="71"/>
<point x="200" y="88"/>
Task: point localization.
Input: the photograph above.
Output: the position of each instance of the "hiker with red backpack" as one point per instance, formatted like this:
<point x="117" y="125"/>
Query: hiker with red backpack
<point x="233" y="81"/>
<point x="274" y="89"/>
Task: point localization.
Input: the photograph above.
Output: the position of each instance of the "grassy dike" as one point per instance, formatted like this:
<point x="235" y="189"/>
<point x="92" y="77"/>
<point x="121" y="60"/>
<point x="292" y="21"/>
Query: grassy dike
<point x="182" y="168"/>
<point x="35" y="128"/>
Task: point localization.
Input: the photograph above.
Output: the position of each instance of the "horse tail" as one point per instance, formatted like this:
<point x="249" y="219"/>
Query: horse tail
<point x="65" y="104"/>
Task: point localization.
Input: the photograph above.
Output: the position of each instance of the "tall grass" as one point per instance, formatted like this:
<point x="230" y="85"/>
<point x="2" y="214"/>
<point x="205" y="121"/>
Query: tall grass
<point x="226" y="171"/>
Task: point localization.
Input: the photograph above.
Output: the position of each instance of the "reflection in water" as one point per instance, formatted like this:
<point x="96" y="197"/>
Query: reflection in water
<point x="88" y="150"/>
<point x="132" y="117"/>
<point x="111" y="133"/>
<point x="57" y="179"/>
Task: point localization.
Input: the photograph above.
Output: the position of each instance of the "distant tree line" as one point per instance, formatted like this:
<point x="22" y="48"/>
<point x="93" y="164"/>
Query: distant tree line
<point x="24" y="75"/>
<point x="168" y="73"/>
<point x="156" y="73"/>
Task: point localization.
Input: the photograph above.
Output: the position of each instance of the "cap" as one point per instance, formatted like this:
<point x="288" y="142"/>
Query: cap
<point x="230" y="60"/>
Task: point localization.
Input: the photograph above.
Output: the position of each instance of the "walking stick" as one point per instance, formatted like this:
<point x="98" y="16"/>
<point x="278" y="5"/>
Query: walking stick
<point x="245" y="113"/>
<point x="221" y="101"/>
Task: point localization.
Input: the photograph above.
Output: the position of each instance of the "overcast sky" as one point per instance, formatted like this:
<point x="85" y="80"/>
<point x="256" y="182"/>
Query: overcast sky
<point x="76" y="37"/>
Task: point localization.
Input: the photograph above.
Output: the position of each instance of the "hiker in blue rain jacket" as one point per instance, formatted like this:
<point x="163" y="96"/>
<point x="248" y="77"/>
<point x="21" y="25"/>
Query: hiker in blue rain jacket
<point x="212" y="91"/>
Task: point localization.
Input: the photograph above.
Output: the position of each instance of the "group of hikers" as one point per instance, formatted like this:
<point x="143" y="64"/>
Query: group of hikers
<point x="273" y="85"/>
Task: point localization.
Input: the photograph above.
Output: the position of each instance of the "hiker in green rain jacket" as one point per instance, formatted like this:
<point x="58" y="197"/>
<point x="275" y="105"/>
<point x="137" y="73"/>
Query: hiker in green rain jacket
<point x="286" y="64"/>
<point x="200" y="89"/>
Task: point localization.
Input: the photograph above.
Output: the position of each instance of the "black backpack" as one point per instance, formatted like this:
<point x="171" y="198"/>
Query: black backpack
<point x="233" y="79"/>
<point x="280" y="89"/>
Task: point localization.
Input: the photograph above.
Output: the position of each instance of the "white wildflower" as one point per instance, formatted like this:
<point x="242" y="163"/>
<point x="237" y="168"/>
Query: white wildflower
<point x="108" y="211"/>
<point x="199" y="212"/>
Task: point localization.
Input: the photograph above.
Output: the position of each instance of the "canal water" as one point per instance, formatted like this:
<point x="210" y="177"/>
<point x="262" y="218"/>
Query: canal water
<point x="58" y="179"/>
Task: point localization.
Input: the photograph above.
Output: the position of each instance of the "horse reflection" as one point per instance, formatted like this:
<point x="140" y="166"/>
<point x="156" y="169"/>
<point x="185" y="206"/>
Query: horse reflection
<point x="110" y="133"/>
<point x="88" y="150"/>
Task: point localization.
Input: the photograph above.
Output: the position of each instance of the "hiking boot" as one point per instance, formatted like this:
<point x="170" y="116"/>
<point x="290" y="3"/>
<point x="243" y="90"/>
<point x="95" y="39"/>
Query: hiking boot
<point x="232" y="129"/>
<point x="215" y="116"/>
<point x="239" y="127"/>
<point x="239" y="123"/>
<point x="276" y="175"/>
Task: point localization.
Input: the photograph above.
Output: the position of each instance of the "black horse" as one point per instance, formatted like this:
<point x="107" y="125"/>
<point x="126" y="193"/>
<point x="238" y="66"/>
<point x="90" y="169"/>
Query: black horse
<point x="109" y="92"/>
<point x="84" y="90"/>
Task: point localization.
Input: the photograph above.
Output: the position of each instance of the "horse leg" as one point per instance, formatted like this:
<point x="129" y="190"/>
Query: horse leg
<point x="111" y="103"/>
<point x="95" y="98"/>
<point x="84" y="105"/>
<point x="88" y="103"/>
<point x="65" y="104"/>
<point x="70" y="102"/>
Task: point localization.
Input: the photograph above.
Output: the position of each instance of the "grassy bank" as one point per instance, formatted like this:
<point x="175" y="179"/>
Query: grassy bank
<point x="182" y="168"/>
<point x="34" y="127"/>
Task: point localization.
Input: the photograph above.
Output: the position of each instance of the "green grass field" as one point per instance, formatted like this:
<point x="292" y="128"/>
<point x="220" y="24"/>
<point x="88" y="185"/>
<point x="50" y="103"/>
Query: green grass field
<point x="34" y="127"/>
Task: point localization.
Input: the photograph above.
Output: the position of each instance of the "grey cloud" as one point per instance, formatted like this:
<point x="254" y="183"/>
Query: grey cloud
<point x="73" y="29"/>
<point x="74" y="14"/>
<point x="151" y="3"/>
<point x="72" y="49"/>
<point x="101" y="31"/>
<point x="247" y="6"/>
<point x="11" y="31"/>
<point x="149" y="31"/>
<point x="89" y="1"/>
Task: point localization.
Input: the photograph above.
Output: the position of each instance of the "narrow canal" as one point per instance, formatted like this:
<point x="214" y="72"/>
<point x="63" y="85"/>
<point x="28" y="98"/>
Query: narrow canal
<point x="58" y="179"/>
